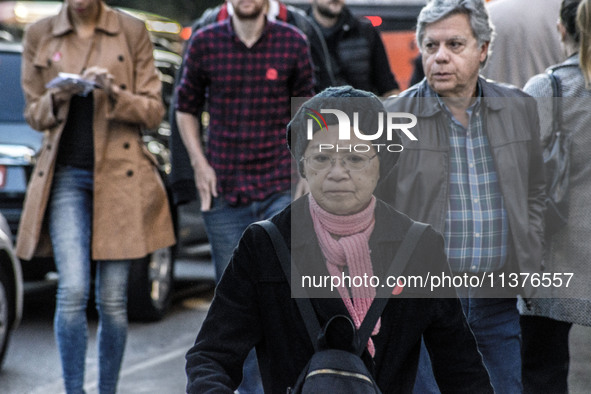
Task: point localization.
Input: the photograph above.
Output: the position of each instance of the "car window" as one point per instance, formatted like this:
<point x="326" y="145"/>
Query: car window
<point x="12" y="102"/>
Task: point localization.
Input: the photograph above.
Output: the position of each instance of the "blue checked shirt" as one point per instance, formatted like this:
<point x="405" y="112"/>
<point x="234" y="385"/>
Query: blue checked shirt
<point x="476" y="227"/>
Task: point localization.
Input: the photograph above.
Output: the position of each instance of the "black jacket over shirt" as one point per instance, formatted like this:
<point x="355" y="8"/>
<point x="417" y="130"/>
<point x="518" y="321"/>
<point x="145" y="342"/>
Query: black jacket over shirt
<point x="358" y="56"/>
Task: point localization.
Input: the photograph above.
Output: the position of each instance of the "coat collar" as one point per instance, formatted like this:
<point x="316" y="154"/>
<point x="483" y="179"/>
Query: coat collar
<point x="572" y="60"/>
<point x="108" y="21"/>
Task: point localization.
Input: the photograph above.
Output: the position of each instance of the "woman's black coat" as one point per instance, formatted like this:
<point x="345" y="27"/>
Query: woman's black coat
<point x="253" y="307"/>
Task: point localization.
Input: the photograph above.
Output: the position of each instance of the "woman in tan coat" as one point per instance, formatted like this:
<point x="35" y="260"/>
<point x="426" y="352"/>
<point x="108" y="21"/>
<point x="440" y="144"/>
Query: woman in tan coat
<point x="94" y="188"/>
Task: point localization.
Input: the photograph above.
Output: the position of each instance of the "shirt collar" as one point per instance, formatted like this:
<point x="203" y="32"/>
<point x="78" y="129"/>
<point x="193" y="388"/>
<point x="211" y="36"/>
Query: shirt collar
<point x="430" y="107"/>
<point x="475" y="104"/>
<point x="470" y="110"/>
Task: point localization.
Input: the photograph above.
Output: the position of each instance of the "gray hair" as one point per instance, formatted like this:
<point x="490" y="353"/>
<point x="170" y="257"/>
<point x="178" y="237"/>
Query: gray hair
<point x="436" y="10"/>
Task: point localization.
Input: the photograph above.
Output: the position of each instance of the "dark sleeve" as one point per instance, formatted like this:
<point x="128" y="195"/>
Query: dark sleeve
<point x="457" y="364"/>
<point x="386" y="187"/>
<point x="181" y="177"/>
<point x="303" y="80"/>
<point x="190" y="91"/>
<point x="323" y="76"/>
<point x="537" y="181"/>
<point x="230" y="330"/>
<point x="381" y="71"/>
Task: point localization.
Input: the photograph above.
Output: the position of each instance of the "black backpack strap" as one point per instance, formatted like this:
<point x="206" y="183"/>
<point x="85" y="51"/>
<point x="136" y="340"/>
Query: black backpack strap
<point x="557" y="92"/>
<point x="383" y="293"/>
<point x="557" y="104"/>
<point x="304" y="304"/>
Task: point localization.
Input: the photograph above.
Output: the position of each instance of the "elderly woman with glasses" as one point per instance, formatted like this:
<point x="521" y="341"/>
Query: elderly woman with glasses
<point x="338" y="229"/>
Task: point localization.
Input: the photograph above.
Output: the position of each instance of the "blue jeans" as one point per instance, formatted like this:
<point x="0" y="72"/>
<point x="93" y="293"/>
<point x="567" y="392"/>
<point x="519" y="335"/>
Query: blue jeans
<point x="225" y="224"/>
<point x="70" y="224"/>
<point x="495" y="324"/>
<point x="425" y="381"/>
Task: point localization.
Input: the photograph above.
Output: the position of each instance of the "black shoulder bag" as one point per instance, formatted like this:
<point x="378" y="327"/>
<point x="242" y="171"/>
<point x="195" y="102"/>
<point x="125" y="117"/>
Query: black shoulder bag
<point x="339" y="368"/>
<point x="557" y="164"/>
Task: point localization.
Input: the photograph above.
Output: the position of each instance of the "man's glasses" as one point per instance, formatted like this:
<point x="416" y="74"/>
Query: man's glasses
<point x="324" y="161"/>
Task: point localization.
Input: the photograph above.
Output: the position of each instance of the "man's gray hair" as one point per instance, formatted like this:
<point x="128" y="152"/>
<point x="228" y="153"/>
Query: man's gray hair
<point x="436" y="10"/>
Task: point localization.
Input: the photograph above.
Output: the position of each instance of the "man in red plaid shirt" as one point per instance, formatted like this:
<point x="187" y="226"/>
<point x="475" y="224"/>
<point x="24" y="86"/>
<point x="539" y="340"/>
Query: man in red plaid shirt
<point x="247" y="69"/>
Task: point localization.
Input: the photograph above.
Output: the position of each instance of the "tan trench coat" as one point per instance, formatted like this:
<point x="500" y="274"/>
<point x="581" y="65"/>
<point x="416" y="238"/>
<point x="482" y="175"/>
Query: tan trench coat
<point x="131" y="215"/>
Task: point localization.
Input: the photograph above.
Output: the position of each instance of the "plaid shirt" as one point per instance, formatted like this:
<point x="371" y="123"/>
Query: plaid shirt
<point x="476" y="225"/>
<point x="249" y="92"/>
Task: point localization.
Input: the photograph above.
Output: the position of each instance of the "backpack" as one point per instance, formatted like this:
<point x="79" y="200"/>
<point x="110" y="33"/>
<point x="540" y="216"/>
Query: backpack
<point x="336" y="365"/>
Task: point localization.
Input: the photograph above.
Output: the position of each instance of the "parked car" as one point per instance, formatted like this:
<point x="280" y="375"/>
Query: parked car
<point x="11" y="288"/>
<point x="151" y="279"/>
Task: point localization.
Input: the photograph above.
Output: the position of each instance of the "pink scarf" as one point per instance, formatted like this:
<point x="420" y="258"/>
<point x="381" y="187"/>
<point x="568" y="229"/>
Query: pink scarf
<point x="350" y="250"/>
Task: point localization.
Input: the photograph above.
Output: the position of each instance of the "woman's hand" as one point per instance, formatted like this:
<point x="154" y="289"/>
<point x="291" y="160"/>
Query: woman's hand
<point x="103" y="80"/>
<point x="63" y="94"/>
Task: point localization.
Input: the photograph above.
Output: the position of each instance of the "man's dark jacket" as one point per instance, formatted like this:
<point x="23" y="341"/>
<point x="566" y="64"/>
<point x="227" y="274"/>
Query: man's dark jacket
<point x="358" y="56"/>
<point x="253" y="307"/>
<point x="419" y="183"/>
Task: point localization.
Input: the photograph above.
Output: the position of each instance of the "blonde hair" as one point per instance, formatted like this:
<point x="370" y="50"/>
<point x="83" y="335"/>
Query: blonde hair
<point x="584" y="26"/>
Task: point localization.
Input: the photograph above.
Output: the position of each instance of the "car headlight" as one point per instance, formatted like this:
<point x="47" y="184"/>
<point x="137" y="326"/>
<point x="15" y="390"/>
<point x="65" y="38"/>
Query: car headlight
<point x="16" y="155"/>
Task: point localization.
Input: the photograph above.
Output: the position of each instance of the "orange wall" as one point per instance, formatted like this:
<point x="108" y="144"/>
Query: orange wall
<point x="402" y="49"/>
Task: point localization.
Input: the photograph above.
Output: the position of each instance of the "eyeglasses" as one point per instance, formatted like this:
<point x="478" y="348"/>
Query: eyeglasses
<point x="351" y="161"/>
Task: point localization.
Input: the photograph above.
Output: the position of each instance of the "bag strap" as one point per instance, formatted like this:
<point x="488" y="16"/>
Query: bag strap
<point x="556" y="103"/>
<point x="557" y="92"/>
<point x="383" y="294"/>
<point x="305" y="306"/>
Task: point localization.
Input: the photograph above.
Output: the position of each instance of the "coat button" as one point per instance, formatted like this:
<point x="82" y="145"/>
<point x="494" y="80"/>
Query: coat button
<point x="129" y="173"/>
<point x="120" y="58"/>
<point x="123" y="86"/>
<point x="126" y="145"/>
<point x="41" y="173"/>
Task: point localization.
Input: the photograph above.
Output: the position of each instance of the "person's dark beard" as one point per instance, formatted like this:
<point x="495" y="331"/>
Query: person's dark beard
<point x="254" y="14"/>
<point x="326" y="12"/>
